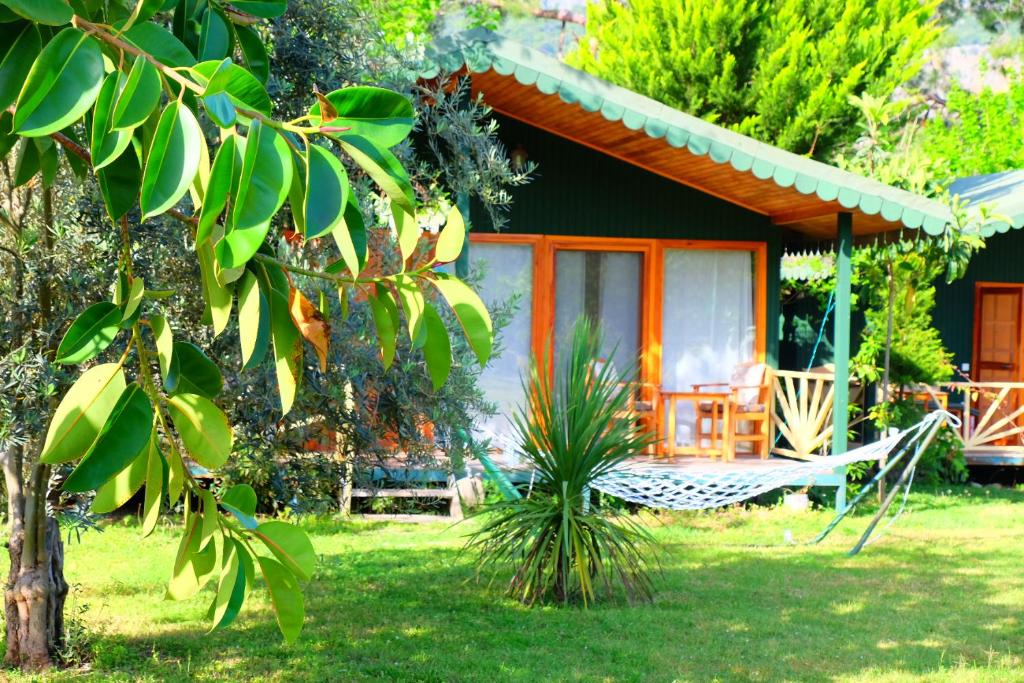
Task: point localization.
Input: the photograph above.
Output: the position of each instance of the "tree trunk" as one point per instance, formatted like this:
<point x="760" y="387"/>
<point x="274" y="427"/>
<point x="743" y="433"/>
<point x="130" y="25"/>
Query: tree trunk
<point x="35" y="592"/>
<point x="36" y="589"/>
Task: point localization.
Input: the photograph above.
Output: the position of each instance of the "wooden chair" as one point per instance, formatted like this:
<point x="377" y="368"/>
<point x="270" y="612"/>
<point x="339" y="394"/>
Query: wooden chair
<point x="642" y="404"/>
<point x="747" y="417"/>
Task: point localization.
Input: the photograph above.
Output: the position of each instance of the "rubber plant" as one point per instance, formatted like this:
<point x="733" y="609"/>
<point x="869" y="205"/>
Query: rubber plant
<point x="133" y="92"/>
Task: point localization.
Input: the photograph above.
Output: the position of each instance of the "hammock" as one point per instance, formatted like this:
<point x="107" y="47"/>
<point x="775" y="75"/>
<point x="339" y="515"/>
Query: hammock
<point x="712" y="485"/>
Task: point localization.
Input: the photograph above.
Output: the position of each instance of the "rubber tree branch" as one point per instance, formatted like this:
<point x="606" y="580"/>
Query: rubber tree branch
<point x="102" y="34"/>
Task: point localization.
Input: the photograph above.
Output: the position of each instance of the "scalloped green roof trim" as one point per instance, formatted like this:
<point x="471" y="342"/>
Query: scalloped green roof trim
<point x="479" y="50"/>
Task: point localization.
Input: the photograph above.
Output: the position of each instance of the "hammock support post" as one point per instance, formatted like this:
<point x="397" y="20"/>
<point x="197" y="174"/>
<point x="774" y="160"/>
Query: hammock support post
<point x="908" y="471"/>
<point x="889" y="465"/>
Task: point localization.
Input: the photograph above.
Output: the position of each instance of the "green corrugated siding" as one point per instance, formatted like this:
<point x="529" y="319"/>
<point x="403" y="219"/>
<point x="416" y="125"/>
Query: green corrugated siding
<point x="579" y="191"/>
<point x="1001" y="261"/>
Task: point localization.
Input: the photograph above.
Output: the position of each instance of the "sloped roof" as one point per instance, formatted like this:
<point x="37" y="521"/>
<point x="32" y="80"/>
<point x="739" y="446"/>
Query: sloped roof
<point x="1001" y="193"/>
<point x="792" y="190"/>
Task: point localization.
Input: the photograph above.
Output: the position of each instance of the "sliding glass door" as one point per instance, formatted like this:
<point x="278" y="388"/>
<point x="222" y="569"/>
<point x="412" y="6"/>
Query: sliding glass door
<point x="507" y="273"/>
<point x="708" y="321"/>
<point x="679" y="313"/>
<point x="604" y="286"/>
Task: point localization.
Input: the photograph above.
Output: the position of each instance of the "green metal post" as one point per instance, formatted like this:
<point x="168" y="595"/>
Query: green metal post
<point x="462" y="263"/>
<point x="841" y="343"/>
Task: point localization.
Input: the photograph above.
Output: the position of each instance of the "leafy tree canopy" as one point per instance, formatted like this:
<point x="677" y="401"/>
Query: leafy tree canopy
<point x="978" y="132"/>
<point x="166" y="104"/>
<point x="781" y="71"/>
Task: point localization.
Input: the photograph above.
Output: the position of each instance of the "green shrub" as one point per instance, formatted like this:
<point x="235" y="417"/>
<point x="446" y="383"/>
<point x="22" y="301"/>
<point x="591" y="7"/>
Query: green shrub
<point x="561" y="546"/>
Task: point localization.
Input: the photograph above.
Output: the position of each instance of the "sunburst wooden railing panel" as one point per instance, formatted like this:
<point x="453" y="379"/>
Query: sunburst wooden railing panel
<point x="803" y="402"/>
<point x="993" y="415"/>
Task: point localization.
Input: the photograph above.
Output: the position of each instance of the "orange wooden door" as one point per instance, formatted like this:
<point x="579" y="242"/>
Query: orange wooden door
<point x="997" y="345"/>
<point x="997" y="353"/>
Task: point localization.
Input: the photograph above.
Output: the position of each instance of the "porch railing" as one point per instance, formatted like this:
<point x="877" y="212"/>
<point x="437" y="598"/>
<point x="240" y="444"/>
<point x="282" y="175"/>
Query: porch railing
<point x="803" y="412"/>
<point x="992" y="415"/>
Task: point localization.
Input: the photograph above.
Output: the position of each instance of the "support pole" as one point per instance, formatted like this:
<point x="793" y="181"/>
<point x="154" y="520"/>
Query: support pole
<point x="841" y="343"/>
<point x="462" y="263"/>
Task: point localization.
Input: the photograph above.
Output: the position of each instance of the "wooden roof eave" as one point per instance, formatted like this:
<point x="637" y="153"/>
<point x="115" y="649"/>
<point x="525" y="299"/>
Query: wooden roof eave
<point x="800" y="194"/>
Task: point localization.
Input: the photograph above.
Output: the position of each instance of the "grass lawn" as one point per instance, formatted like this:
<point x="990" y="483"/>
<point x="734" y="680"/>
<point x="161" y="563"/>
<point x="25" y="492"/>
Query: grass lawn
<point x="939" y="597"/>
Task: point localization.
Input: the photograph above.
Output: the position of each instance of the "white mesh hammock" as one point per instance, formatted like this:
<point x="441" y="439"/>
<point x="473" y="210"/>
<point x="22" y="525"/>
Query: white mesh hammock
<point x="712" y="485"/>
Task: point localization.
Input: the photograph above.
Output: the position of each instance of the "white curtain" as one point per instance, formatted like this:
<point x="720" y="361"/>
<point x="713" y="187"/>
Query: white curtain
<point x="708" y="321"/>
<point x="507" y="269"/>
<point x="611" y="280"/>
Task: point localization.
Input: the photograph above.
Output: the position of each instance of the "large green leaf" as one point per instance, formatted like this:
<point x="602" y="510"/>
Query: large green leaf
<point x="413" y="303"/>
<point x="227" y="589"/>
<point x="226" y="165"/>
<point x="350" y="236"/>
<point x="263" y="185"/>
<point x="91" y="332"/>
<point x="124" y="435"/>
<point x="139" y="97"/>
<point x="220" y="109"/>
<point x="28" y="162"/>
<point x="61" y="86"/>
<point x="107" y="145"/>
<point x="285" y="597"/>
<point x="451" y="239"/>
<point x="254" y="52"/>
<point x="203" y="428"/>
<point x="20" y="51"/>
<point x="7" y="138"/>
<point x="214" y="36"/>
<point x="253" y="321"/>
<point x="326" y="197"/>
<point x="82" y="413"/>
<point x="154" y="486"/>
<point x="385" y="170"/>
<point x="52" y="12"/>
<point x="267" y="9"/>
<point x="173" y="159"/>
<point x="240" y="86"/>
<point x="192" y="372"/>
<point x="123" y="486"/>
<point x="381" y="115"/>
<point x="266" y="177"/>
<point x="144" y="9"/>
<point x="164" y="338"/>
<point x="130" y="306"/>
<point x="160" y="43"/>
<point x="192" y="566"/>
<point x="217" y="296"/>
<point x="175" y="475"/>
<point x="297" y="194"/>
<point x="290" y="545"/>
<point x="285" y="337"/>
<point x="120" y="182"/>
<point x="471" y="314"/>
<point x="242" y="497"/>
<point x="211" y="518"/>
<point x="408" y="231"/>
<point x="385" y="319"/>
<point x="437" y="349"/>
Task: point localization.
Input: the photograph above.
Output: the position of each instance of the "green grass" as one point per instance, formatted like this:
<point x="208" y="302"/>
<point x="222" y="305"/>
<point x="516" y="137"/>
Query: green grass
<point x="939" y="597"/>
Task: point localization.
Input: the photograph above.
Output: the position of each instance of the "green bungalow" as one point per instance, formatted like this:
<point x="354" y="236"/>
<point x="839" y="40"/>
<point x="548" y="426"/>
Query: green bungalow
<point x="669" y="230"/>
<point x="980" y="318"/>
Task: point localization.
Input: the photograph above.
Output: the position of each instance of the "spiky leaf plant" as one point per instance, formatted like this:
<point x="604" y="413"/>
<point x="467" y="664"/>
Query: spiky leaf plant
<point x="575" y="427"/>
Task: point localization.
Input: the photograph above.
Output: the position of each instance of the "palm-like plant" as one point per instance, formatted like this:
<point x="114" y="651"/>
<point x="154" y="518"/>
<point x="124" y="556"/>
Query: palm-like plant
<point x="575" y="427"/>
